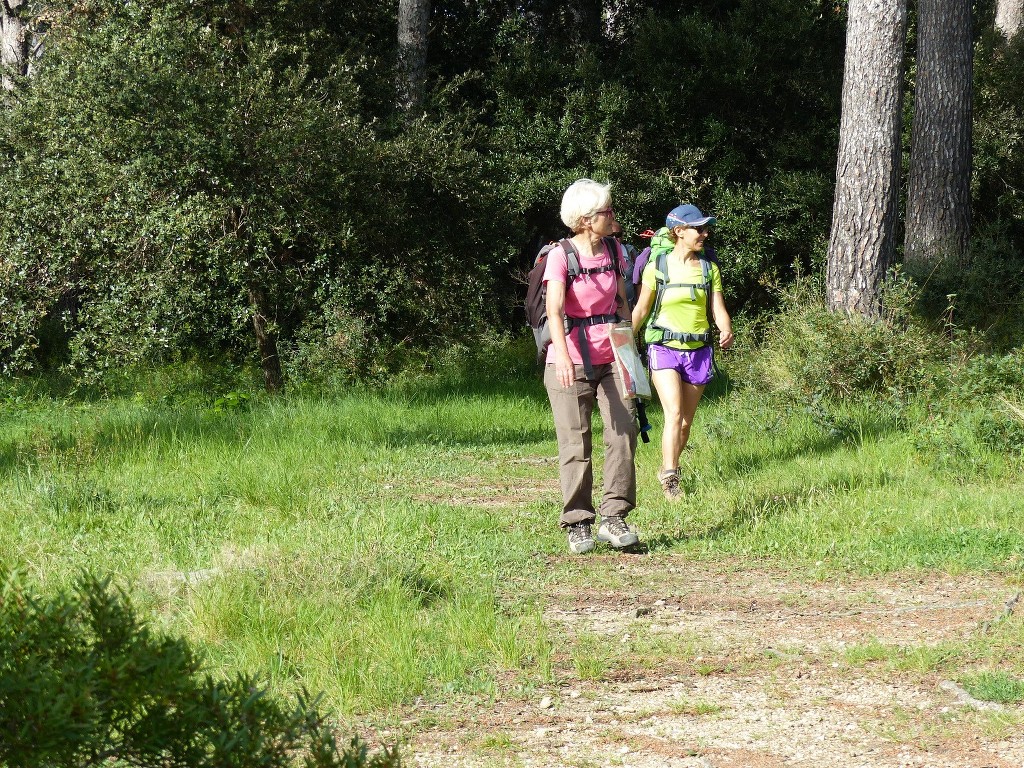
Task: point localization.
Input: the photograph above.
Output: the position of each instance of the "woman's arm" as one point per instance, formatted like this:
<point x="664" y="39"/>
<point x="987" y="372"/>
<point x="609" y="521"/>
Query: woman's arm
<point x="722" y="320"/>
<point x="643" y="307"/>
<point x="622" y="303"/>
<point x="555" y="305"/>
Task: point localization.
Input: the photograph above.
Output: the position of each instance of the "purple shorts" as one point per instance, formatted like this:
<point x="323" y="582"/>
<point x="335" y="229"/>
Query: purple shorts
<point x="694" y="365"/>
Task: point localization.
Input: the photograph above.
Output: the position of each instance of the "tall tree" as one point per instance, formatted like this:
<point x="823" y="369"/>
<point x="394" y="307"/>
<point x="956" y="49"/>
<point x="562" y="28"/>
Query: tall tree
<point x="413" y="26"/>
<point x="867" y="171"/>
<point x="14" y="42"/>
<point x="1010" y="17"/>
<point x="939" y="192"/>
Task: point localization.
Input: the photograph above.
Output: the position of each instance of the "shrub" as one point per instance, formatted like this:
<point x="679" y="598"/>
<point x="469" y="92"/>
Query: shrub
<point x="986" y="295"/>
<point x="84" y="682"/>
<point x="186" y="177"/>
<point x="809" y="352"/>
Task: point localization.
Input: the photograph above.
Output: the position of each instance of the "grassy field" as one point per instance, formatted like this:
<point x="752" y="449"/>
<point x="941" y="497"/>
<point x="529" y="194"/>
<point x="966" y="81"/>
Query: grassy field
<point x="382" y="545"/>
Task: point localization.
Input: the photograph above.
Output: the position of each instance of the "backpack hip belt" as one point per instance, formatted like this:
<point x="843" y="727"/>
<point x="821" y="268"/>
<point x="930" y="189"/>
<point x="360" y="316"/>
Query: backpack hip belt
<point x="583" y="323"/>
<point x="667" y="335"/>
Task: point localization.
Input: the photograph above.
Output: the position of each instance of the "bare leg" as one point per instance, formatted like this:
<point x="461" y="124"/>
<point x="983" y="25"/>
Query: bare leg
<point x="679" y="402"/>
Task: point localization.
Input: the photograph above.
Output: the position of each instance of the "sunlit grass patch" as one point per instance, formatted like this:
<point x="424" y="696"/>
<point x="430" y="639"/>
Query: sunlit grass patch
<point x="590" y="656"/>
<point x="694" y="707"/>
<point x="869" y="652"/>
<point x="384" y="545"/>
<point x="994" y="685"/>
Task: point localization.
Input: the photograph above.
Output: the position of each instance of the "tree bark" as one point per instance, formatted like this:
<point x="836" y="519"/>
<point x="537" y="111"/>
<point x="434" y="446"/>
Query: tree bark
<point x="1010" y="17"/>
<point x="867" y="172"/>
<point x="266" y="341"/>
<point x="14" y="42"/>
<point x="939" y="192"/>
<point x="413" y="25"/>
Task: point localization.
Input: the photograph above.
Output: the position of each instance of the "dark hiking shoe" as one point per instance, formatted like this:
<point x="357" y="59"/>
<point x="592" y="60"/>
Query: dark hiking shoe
<point x="615" y="531"/>
<point x="580" y="538"/>
<point x="669" y="480"/>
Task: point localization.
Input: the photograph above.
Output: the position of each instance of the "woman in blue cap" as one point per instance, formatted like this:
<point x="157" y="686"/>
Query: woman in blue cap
<point x="680" y="293"/>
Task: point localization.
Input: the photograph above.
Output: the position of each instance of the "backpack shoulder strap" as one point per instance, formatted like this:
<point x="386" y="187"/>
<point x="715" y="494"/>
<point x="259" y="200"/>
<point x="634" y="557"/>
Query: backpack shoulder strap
<point x="611" y="247"/>
<point x="706" y="272"/>
<point x="572" y="259"/>
<point x="660" y="279"/>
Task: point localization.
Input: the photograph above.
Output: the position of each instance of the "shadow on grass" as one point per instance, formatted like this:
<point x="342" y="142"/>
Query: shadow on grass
<point x="61" y="435"/>
<point x="523" y="382"/>
<point x="762" y="507"/>
<point x="409" y="437"/>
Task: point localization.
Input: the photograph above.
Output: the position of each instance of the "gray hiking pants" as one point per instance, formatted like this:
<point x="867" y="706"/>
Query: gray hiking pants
<point x="572" y="409"/>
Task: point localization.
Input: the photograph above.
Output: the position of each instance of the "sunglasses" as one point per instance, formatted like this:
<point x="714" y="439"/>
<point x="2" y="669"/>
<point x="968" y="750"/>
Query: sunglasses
<point x="703" y="228"/>
<point x="605" y="212"/>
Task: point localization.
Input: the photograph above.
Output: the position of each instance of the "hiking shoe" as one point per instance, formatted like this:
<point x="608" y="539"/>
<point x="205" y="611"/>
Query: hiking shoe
<point x="580" y="538"/>
<point x="615" y="531"/>
<point x="669" y="480"/>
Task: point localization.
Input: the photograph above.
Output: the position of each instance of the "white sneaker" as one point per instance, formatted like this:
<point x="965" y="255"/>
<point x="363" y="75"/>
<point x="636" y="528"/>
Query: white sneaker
<point x="615" y="531"/>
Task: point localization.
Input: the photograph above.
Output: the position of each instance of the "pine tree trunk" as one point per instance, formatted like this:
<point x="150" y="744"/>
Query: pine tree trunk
<point x="939" y="192"/>
<point x="867" y="172"/>
<point x="413" y="25"/>
<point x="1010" y="17"/>
<point x="14" y="41"/>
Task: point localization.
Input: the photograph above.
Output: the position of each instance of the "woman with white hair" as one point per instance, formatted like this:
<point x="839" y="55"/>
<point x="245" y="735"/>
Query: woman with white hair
<point x="580" y="369"/>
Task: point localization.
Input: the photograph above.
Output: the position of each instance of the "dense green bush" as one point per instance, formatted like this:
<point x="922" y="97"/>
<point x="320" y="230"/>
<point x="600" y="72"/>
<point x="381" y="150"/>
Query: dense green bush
<point x="83" y="682"/>
<point x="998" y="140"/>
<point x="174" y="173"/>
<point x="739" y="120"/>
<point x="809" y="352"/>
<point x="986" y="295"/>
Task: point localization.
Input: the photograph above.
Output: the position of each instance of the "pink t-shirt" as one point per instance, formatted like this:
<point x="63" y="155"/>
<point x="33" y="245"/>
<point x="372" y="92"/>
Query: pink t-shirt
<point x="586" y="296"/>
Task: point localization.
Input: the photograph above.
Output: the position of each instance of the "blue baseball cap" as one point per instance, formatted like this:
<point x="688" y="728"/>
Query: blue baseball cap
<point x="687" y="216"/>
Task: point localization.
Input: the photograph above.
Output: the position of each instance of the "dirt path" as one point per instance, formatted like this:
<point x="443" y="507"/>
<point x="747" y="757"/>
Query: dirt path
<point x="740" y="667"/>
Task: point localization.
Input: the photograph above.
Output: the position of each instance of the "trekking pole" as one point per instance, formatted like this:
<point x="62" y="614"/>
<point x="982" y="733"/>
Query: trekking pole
<point x="641" y="417"/>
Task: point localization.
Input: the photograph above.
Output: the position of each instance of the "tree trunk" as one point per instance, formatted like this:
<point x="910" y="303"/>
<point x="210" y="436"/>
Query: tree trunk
<point x="1010" y="17"/>
<point x="413" y="25"/>
<point x="867" y="172"/>
<point x="939" y="193"/>
<point x="14" y="42"/>
<point x="266" y="341"/>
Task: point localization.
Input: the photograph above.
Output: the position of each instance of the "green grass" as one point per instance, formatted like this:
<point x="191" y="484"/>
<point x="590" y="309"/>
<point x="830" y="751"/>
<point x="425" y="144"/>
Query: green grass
<point x="994" y="686"/>
<point x="694" y="707"/>
<point x="379" y="545"/>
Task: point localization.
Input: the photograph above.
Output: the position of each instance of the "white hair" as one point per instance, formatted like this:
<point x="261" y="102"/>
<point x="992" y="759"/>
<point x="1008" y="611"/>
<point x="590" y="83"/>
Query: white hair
<point x="584" y="198"/>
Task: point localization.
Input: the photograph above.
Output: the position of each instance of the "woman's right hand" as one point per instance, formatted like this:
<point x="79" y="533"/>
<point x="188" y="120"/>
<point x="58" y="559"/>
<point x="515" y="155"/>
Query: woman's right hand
<point x="565" y="371"/>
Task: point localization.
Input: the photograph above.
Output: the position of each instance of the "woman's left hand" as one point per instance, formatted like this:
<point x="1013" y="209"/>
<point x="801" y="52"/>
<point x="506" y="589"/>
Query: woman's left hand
<point x="726" y="339"/>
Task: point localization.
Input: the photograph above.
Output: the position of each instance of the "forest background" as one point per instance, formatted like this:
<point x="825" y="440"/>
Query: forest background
<point x="249" y="181"/>
<point x="203" y="199"/>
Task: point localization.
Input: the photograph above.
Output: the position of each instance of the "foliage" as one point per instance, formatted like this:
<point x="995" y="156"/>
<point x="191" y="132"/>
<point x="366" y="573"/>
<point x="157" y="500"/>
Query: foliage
<point x="998" y="134"/>
<point x="175" y="172"/>
<point x="809" y="352"/>
<point x="666" y="122"/>
<point x="83" y="681"/>
<point x="985" y="297"/>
